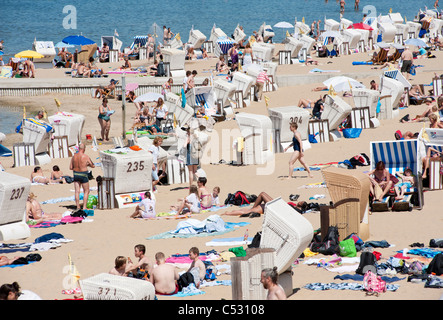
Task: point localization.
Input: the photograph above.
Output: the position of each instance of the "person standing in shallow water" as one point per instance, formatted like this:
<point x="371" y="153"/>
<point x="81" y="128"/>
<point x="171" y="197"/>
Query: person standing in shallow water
<point x="298" y="151"/>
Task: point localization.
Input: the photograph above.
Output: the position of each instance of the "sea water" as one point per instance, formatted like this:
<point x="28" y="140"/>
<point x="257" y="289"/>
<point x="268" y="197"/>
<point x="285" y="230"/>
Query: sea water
<point x="10" y="118"/>
<point x="52" y="20"/>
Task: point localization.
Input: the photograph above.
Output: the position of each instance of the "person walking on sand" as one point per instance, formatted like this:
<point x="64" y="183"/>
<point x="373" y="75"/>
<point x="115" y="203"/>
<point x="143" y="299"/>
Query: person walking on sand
<point x="104" y="118"/>
<point x="79" y="165"/>
<point x="298" y="151"/>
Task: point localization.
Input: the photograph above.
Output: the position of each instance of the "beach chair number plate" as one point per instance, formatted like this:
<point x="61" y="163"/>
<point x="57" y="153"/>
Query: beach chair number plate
<point x="135" y="166"/>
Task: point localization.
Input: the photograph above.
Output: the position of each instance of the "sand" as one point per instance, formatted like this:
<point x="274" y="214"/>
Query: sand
<point x="111" y="232"/>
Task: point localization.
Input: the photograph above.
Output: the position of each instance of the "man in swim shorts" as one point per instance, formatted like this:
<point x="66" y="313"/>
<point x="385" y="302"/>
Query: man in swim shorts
<point x="79" y="165"/>
<point x="164" y="277"/>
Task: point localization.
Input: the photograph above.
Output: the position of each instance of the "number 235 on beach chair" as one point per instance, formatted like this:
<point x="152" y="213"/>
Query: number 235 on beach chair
<point x="397" y="156"/>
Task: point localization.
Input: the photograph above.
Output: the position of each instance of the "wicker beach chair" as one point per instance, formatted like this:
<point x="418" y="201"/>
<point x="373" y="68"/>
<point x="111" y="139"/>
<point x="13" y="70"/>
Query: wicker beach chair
<point x="349" y="192"/>
<point x="106" y="286"/>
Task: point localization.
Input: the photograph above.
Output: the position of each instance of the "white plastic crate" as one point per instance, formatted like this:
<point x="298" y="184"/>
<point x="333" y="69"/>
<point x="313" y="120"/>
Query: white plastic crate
<point x="131" y="170"/>
<point x="14" y="191"/>
<point x="105" y="286"/>
<point x="286" y="231"/>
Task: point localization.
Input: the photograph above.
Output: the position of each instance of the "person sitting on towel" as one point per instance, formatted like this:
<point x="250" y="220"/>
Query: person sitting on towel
<point x="164" y="276"/>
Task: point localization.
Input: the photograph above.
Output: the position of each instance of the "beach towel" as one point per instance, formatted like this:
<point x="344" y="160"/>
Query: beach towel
<point x="6" y="72"/>
<point x="317" y="70"/>
<point x="229" y="226"/>
<point x="237" y="241"/>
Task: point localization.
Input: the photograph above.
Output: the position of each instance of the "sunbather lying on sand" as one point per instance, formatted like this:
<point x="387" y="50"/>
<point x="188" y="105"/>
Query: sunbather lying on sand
<point x="257" y="209"/>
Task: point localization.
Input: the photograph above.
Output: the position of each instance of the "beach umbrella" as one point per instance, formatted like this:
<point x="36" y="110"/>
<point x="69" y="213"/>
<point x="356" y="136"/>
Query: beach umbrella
<point x="61" y="44"/>
<point x="361" y="26"/>
<point x="78" y="40"/>
<point x="283" y="25"/>
<point x="148" y="97"/>
<point x="342" y="83"/>
<point x="29" y="54"/>
<point x="416" y="42"/>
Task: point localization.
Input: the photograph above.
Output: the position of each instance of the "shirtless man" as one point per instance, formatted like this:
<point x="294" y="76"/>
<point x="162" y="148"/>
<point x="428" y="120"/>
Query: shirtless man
<point x="164" y="277"/>
<point x="197" y="265"/>
<point x="407" y="59"/>
<point x="143" y="264"/>
<point x="269" y="278"/>
<point x="121" y="267"/>
<point x="79" y="165"/>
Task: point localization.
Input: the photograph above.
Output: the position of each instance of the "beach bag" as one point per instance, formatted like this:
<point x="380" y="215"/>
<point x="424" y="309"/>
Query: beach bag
<point x="185" y="280"/>
<point x="416" y="267"/>
<point x="366" y="259"/>
<point x="238" y="199"/>
<point x="330" y="243"/>
<point x="373" y="283"/>
<point x="436" y="243"/>
<point x="436" y="265"/>
<point x="255" y="243"/>
<point x="347" y="248"/>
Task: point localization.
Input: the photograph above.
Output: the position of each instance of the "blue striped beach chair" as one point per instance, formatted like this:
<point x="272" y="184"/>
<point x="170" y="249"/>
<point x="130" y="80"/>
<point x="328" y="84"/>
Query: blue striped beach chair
<point x="397" y="156"/>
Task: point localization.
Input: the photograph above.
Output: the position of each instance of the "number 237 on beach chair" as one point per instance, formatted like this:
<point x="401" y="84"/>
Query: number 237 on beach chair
<point x="397" y="156"/>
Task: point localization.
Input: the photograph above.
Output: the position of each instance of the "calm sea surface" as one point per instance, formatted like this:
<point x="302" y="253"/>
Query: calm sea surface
<point x="46" y="20"/>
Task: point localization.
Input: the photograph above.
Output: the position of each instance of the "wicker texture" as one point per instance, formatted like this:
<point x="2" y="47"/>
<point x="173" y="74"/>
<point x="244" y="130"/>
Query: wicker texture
<point x="106" y="286"/>
<point x="286" y="231"/>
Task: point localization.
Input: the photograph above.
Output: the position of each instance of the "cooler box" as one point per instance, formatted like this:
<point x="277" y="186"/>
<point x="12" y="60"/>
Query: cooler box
<point x="68" y="124"/>
<point x="286" y="231"/>
<point x="335" y="110"/>
<point x="131" y="170"/>
<point x="256" y="129"/>
<point x="105" y="286"/>
<point x="294" y="46"/>
<point x="37" y="132"/>
<point x="281" y="118"/>
<point x="175" y="57"/>
<point x="224" y="91"/>
<point x="246" y="274"/>
<point x="14" y="191"/>
<point x="196" y="38"/>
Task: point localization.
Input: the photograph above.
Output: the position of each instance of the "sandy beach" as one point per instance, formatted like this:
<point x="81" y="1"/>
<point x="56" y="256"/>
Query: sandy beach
<point x="111" y="233"/>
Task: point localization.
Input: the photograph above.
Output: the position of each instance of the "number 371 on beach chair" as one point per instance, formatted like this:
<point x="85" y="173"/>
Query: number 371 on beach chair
<point x="397" y="156"/>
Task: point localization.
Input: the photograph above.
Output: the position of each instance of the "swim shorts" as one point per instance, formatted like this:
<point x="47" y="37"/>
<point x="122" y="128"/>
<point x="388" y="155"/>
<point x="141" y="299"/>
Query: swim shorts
<point x="81" y="177"/>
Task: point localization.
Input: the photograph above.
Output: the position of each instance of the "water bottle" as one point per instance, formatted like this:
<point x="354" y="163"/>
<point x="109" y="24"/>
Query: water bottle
<point x="245" y="237"/>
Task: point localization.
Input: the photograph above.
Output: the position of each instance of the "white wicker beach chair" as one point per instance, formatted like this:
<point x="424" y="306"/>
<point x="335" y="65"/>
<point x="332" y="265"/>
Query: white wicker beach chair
<point x="286" y="231"/>
<point x="106" y="286"/>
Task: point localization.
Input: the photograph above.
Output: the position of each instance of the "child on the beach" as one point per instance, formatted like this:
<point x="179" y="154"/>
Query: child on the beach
<point x="148" y="211"/>
<point x="203" y="194"/>
<point x="215" y="199"/>
<point x="57" y="174"/>
<point x="408" y="181"/>
<point x="190" y="204"/>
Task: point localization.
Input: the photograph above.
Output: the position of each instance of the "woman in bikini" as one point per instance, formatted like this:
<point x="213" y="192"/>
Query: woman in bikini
<point x="380" y="177"/>
<point x="35" y="212"/>
<point x="203" y="194"/>
<point x="298" y="151"/>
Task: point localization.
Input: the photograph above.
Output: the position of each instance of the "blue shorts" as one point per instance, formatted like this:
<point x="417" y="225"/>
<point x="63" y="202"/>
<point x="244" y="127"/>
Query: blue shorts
<point x="155" y="173"/>
<point x="401" y="184"/>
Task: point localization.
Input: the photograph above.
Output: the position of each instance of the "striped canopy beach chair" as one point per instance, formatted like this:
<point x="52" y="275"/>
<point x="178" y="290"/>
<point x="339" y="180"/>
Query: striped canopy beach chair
<point x="431" y="138"/>
<point x="397" y="156"/>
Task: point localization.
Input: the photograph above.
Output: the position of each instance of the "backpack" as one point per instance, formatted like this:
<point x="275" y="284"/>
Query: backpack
<point x="255" y="243"/>
<point x="373" y="283"/>
<point x="238" y="199"/>
<point x="185" y="280"/>
<point x="366" y="259"/>
<point x="436" y="265"/>
<point x="330" y="243"/>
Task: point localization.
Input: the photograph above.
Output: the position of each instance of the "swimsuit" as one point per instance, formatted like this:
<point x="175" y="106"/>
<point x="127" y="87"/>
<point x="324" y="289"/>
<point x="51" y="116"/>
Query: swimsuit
<point x="33" y="179"/>
<point x="168" y="294"/>
<point x="295" y="144"/>
<point x="81" y="177"/>
<point x="202" y="206"/>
